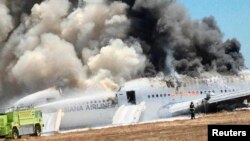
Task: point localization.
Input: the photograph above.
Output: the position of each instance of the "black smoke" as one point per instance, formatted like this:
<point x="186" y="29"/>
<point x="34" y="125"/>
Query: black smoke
<point x="164" y="26"/>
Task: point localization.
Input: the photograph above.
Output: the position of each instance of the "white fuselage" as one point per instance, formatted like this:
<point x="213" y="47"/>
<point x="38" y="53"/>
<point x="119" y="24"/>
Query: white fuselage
<point x="162" y="97"/>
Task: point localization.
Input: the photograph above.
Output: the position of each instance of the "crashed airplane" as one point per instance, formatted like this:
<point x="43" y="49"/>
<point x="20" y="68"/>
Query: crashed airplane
<point x="138" y="100"/>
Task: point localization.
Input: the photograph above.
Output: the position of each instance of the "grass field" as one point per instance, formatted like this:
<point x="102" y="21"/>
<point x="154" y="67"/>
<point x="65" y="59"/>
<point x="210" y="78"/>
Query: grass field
<point x="179" y="130"/>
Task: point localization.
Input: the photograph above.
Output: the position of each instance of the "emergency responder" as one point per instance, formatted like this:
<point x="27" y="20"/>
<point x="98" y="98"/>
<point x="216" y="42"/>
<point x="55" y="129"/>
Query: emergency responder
<point x="192" y="110"/>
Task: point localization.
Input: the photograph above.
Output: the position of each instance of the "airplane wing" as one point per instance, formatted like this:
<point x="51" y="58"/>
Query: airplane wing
<point x="183" y="106"/>
<point x="178" y="108"/>
<point x="228" y="96"/>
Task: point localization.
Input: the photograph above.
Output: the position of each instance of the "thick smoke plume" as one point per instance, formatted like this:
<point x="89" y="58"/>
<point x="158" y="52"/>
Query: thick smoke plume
<point x="104" y="43"/>
<point x="164" y="26"/>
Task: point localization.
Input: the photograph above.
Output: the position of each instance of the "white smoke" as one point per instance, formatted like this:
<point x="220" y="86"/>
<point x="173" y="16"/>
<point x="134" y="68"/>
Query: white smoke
<point x="6" y="24"/>
<point x="103" y="79"/>
<point x="81" y="48"/>
<point x="95" y="24"/>
<point x="48" y="15"/>
<point x="45" y="18"/>
<point x="52" y="59"/>
<point x="122" y="61"/>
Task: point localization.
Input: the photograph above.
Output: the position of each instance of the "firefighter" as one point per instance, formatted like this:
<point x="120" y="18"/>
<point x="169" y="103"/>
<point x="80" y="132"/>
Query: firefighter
<point x="192" y="110"/>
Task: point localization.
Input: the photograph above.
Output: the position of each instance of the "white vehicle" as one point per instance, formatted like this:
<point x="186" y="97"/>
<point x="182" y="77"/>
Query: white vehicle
<point x="138" y="100"/>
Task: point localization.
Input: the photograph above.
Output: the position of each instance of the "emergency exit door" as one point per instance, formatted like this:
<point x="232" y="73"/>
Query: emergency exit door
<point x="131" y="97"/>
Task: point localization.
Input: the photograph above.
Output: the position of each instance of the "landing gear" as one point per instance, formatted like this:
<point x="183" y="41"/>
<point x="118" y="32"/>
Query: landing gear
<point x="205" y="104"/>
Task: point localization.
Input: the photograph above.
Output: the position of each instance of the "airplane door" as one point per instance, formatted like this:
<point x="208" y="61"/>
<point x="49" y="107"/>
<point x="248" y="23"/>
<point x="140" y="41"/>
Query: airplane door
<point x="131" y="97"/>
<point x="126" y="97"/>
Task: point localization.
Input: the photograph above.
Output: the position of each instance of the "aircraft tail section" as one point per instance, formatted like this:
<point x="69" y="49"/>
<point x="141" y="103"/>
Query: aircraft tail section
<point x="128" y="114"/>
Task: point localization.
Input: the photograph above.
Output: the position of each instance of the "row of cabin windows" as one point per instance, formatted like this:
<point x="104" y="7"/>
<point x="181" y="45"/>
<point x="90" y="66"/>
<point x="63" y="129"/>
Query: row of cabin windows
<point x="99" y="101"/>
<point x="222" y="91"/>
<point x="205" y="92"/>
<point x="158" y="95"/>
<point x="201" y="92"/>
<point x="233" y="90"/>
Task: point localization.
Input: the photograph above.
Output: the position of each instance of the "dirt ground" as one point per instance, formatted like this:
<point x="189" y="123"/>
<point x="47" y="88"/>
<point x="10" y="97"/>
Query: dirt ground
<point x="179" y="130"/>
